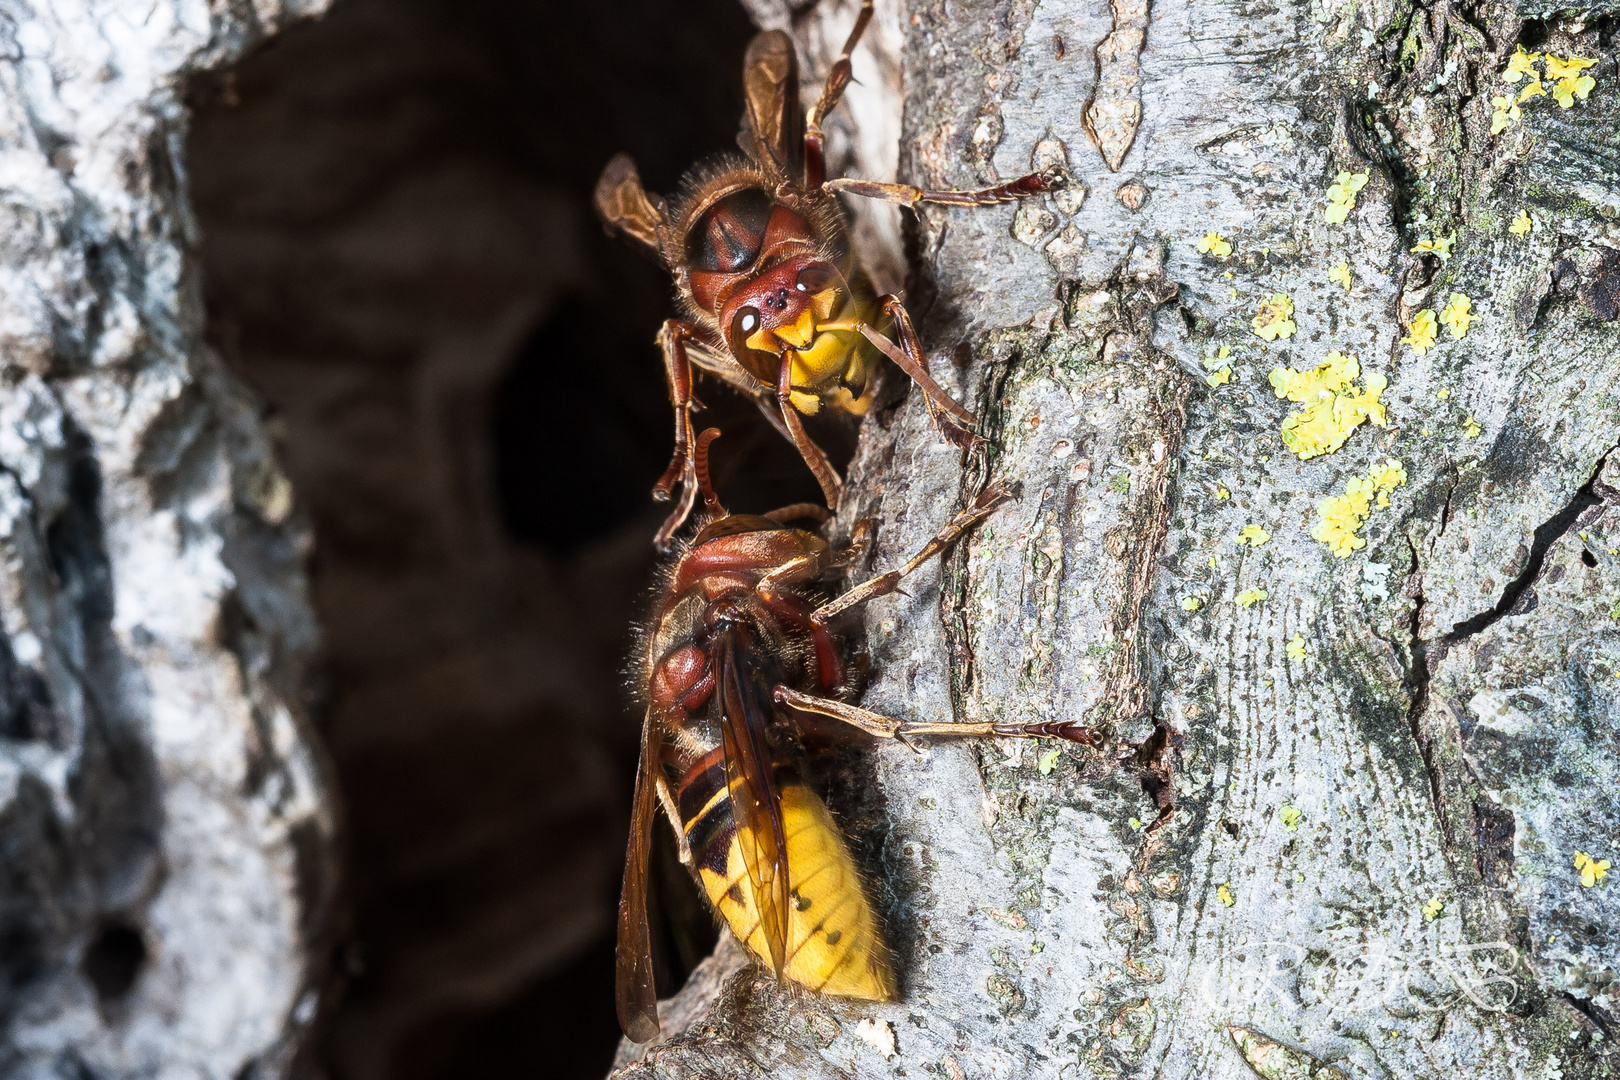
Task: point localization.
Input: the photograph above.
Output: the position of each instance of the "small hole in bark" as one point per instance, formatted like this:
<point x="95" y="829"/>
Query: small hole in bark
<point x="1588" y="558"/>
<point x="114" y="959"/>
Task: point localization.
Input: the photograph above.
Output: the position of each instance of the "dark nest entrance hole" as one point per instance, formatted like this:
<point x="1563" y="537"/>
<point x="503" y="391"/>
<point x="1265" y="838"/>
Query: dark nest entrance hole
<point x="401" y="259"/>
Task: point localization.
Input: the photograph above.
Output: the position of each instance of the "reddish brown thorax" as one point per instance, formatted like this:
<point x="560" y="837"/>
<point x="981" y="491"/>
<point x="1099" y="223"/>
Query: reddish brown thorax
<point x="682" y="681"/>
<point x="724" y="566"/>
<point x="740" y="559"/>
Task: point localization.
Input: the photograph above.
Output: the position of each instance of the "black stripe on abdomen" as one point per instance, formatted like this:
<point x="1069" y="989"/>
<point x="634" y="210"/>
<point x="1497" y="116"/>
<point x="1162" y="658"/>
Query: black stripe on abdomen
<point x="702" y="781"/>
<point x="710" y="836"/>
<point x="705" y="808"/>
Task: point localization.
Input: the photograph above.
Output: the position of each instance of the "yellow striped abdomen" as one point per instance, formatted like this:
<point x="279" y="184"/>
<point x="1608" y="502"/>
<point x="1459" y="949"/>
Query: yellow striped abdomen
<point x="833" y="945"/>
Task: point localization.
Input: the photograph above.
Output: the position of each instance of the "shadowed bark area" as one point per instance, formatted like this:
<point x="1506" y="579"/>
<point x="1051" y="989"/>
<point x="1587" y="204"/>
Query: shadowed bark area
<point x="165" y="825"/>
<point x="1383" y="764"/>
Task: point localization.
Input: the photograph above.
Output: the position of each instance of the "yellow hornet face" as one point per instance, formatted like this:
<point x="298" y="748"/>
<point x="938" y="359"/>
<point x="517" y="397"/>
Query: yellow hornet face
<point x="834" y="368"/>
<point x="811" y="314"/>
<point x="800" y="332"/>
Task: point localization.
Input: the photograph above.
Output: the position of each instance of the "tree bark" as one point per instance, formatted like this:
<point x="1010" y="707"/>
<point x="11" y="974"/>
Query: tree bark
<point x="166" y="829"/>
<point x="1369" y="862"/>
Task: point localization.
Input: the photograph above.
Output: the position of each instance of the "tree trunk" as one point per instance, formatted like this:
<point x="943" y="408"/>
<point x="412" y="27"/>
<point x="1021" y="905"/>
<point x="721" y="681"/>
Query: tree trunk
<point x="1382" y="764"/>
<point x="165" y="826"/>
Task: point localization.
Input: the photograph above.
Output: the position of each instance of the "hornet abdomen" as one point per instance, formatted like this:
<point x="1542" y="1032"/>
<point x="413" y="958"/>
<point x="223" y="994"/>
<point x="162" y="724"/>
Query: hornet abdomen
<point x="833" y="942"/>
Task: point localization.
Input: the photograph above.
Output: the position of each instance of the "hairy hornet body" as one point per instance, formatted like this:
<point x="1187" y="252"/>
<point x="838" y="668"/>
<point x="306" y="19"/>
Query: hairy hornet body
<point x="772" y="300"/>
<point x="718" y="647"/>
<point x="771" y="276"/>
<point x="739" y="661"/>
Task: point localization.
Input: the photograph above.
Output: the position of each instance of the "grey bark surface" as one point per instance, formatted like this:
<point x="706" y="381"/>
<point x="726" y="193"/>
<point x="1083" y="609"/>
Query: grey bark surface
<point x="1450" y="733"/>
<point x="164" y="826"/>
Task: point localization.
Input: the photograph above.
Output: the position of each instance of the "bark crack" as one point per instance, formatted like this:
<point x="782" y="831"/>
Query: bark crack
<point x="1421" y="672"/>
<point x="1420" y="676"/>
<point x="1594" y="1015"/>
<point x="1546" y="534"/>
<point x="977" y="469"/>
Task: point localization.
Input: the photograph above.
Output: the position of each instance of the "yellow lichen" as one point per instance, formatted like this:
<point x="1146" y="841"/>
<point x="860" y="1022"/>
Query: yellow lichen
<point x="1506" y="113"/>
<point x="1436" y="245"/>
<point x="1567" y="90"/>
<point x="1224" y="894"/>
<point x="1432" y="908"/>
<point x="1341" y="196"/>
<point x="1212" y="244"/>
<point x="1564" y="67"/>
<point x="1456" y="315"/>
<point x="1443" y="393"/>
<point x="1253" y="535"/>
<point x="1521" y="224"/>
<point x="1343" y="514"/>
<point x="1520" y="65"/>
<point x="1592" y="870"/>
<point x="1571" y="83"/>
<point x="1386" y="478"/>
<point x="1340" y="275"/>
<point x="1275" y="318"/>
<point x="1191" y="603"/>
<point x="1333" y="407"/>
<point x="1295" y="647"/>
<point x="1250" y="597"/>
<point x="1221" y="492"/>
<point x="1290" y="815"/>
<point x="1532" y="89"/>
<point x="1220" y="378"/>
<point x="1425" y="330"/>
<point x="1471" y="428"/>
